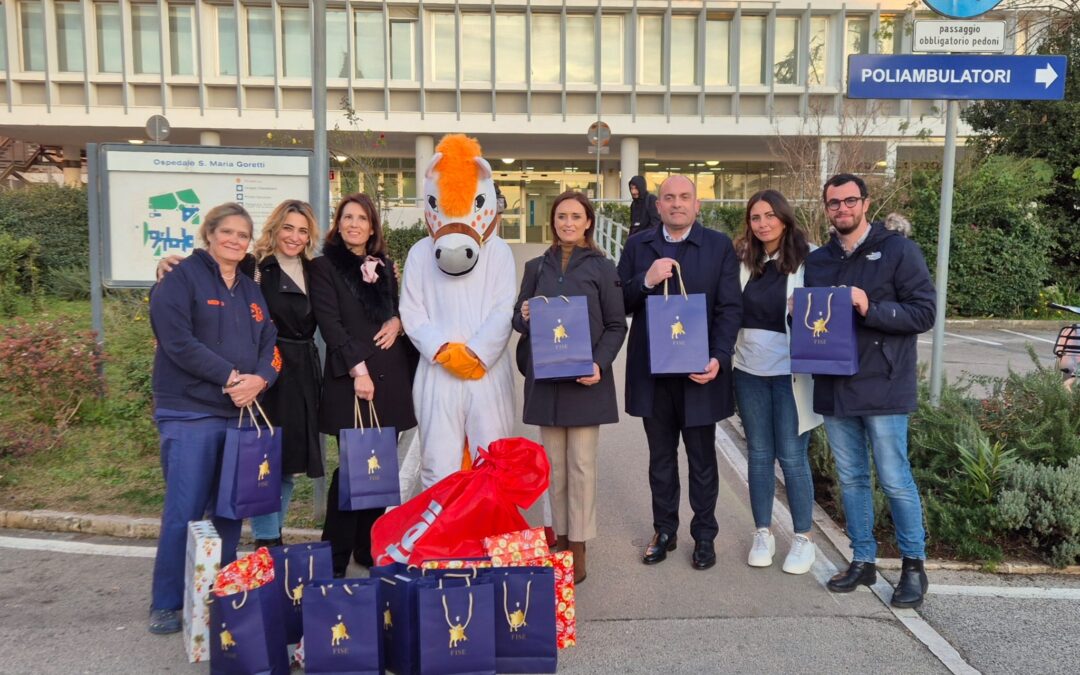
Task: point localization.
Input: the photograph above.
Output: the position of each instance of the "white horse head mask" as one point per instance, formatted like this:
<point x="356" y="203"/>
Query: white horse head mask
<point x="459" y="203"/>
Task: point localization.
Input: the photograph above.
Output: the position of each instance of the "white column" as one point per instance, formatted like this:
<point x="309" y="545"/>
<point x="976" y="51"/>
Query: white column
<point x="825" y="160"/>
<point x="72" y="165"/>
<point x="209" y="138"/>
<point x="425" y="148"/>
<point x="890" y="158"/>
<point x="628" y="163"/>
<point x="611" y="183"/>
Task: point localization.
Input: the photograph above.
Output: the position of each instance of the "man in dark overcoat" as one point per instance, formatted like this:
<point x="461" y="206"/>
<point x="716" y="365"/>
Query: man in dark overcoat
<point x="687" y="405"/>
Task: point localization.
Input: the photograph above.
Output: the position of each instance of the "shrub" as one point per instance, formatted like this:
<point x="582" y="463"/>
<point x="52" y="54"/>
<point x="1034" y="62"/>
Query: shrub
<point x="70" y="283"/>
<point x="18" y="273"/>
<point x="400" y="239"/>
<point x="53" y="216"/>
<point x="50" y="368"/>
<point x="1001" y="248"/>
<point x="620" y="213"/>
<point x="727" y="219"/>
<point x="1043" y="502"/>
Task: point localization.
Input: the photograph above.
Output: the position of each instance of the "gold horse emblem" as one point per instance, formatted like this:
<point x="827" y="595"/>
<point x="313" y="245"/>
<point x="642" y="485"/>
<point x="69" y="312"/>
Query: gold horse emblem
<point x="298" y="593"/>
<point x="387" y="619"/>
<point x="820" y="325"/>
<point x="226" y="639"/>
<point x="338" y="632"/>
<point x="264" y="468"/>
<point x="560" y="332"/>
<point x="677" y="329"/>
<point x="457" y="634"/>
<point x="373" y="464"/>
<point x="517" y="620"/>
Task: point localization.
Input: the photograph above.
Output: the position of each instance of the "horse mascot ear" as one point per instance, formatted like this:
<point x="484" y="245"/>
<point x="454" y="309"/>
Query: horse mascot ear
<point x="459" y="203"/>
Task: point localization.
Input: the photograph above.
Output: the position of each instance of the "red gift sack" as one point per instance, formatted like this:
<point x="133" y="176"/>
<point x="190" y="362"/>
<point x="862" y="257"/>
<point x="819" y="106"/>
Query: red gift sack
<point x="451" y="518"/>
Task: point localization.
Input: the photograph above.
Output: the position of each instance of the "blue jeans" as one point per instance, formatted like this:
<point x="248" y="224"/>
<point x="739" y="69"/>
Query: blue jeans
<point x="887" y="436"/>
<point x="771" y="421"/>
<point x="191" y="463"/>
<point x="270" y="525"/>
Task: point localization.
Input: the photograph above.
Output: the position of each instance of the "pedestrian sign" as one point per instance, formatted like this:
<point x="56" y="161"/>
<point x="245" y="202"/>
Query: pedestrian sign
<point x="956" y="77"/>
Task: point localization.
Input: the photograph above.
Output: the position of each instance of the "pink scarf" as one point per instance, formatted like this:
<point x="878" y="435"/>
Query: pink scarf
<point x="368" y="269"/>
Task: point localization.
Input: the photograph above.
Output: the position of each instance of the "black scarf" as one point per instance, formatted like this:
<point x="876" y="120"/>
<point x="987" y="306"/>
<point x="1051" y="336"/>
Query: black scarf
<point x="377" y="298"/>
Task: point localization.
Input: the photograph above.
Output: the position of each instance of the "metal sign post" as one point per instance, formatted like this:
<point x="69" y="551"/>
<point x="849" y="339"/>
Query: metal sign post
<point x="599" y="136"/>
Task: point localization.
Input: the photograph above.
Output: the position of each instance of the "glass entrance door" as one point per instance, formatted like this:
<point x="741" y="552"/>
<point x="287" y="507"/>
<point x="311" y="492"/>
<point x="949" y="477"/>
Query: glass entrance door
<point x="539" y="195"/>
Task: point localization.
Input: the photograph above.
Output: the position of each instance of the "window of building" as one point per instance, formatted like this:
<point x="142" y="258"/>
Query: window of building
<point x="32" y="23"/>
<point x="145" y="39"/>
<point x="890" y="34"/>
<point x="819" y="41"/>
<point x="546" y="49"/>
<point x="182" y="39"/>
<point x="684" y="50"/>
<point x="337" y="43"/>
<point x="857" y="36"/>
<point x="402" y="48"/>
<point x="443" y="59"/>
<point x="69" y="37"/>
<point x="580" y="49"/>
<point x="651" y="50"/>
<point x="260" y="39"/>
<point x="296" y="41"/>
<point x="107" y="19"/>
<point x="752" y="50"/>
<point x="224" y="37"/>
<point x="475" y="47"/>
<point x="717" y="48"/>
<point x="510" y="48"/>
<point x="786" y="58"/>
<point x="613" y="49"/>
<point x="368" y="28"/>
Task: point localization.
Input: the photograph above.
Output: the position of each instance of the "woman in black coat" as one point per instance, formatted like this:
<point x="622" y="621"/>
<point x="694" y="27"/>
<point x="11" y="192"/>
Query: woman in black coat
<point x="569" y="413"/>
<point x="355" y="297"/>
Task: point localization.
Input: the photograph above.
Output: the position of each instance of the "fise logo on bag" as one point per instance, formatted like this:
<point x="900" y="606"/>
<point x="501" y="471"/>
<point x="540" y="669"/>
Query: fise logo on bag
<point x="401" y="550"/>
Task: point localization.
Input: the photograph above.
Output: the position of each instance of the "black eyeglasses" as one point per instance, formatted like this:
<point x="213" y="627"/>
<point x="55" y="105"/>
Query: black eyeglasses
<point x="850" y="202"/>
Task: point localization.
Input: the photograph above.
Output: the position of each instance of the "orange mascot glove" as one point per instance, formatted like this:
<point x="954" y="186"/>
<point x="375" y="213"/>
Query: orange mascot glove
<point x="460" y="362"/>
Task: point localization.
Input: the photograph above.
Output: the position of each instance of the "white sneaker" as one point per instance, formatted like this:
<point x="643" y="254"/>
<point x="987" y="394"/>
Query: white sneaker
<point x="801" y="556"/>
<point x="761" y="551"/>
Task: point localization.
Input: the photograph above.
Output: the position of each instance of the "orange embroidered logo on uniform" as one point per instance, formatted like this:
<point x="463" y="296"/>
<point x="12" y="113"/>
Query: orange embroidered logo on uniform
<point x="276" y="363"/>
<point x="256" y="312"/>
<point x="215" y="303"/>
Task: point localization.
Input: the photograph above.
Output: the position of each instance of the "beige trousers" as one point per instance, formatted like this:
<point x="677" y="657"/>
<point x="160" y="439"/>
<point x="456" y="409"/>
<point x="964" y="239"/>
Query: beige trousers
<point x="572" y="453"/>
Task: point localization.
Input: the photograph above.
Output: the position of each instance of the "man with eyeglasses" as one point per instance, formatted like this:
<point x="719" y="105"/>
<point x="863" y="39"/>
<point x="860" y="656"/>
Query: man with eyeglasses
<point x="868" y="412"/>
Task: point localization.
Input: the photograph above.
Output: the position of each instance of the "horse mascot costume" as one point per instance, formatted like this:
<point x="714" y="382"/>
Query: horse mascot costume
<point x="457" y="300"/>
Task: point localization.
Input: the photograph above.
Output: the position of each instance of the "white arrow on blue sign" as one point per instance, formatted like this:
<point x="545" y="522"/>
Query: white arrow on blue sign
<point x="957" y="77"/>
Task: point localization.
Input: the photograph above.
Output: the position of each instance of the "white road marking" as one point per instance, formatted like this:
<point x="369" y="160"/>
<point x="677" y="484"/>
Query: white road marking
<point x="823" y="569"/>
<point x="1025" y="335"/>
<point x="1023" y="593"/>
<point x="925" y="342"/>
<point x="78" y="547"/>
<point x="974" y="339"/>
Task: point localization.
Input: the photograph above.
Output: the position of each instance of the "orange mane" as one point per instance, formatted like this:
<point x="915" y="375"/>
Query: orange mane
<point x="458" y="174"/>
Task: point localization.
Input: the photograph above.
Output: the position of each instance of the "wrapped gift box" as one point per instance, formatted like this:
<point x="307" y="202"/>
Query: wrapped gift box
<point x="517" y="546"/>
<point x="565" y="612"/>
<point x="203" y="562"/>
<point x="459" y="564"/>
<point x="245" y="574"/>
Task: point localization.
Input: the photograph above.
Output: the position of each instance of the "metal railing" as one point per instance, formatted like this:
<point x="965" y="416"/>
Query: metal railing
<point x="610" y="236"/>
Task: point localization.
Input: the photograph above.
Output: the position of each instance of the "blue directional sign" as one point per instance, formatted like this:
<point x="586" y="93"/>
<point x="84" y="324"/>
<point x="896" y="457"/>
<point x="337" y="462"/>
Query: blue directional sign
<point x="962" y="9"/>
<point x="957" y="77"/>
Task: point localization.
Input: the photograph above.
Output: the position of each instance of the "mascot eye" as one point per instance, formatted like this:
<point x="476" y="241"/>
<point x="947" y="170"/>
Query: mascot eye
<point x="432" y="203"/>
<point x="468" y="253"/>
<point x="479" y="202"/>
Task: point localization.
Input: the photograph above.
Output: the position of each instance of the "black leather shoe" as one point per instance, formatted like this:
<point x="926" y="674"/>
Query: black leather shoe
<point x="268" y="543"/>
<point x="658" y="548"/>
<point x="857" y="574"/>
<point x="912" y="585"/>
<point x="704" y="555"/>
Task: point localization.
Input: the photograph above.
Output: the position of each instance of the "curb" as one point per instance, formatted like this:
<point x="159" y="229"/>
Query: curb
<point x="1007" y="323"/>
<point x="125" y="527"/>
<point x="836" y="536"/>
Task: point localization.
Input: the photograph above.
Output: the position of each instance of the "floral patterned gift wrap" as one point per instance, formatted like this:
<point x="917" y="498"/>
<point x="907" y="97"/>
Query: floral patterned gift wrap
<point x="203" y="562"/>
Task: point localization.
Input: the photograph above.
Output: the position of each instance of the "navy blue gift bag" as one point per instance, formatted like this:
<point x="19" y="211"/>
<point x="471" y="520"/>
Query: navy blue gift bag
<point x="368" y="478"/>
<point x="678" y="331"/>
<point x="455" y="626"/>
<point x="397" y="619"/>
<point x="295" y="566"/>
<point x="342" y="627"/>
<point x="525" y="634"/>
<point x="560" y="338"/>
<point x="250" y="482"/>
<point x="823" y="332"/>
<point x="247" y="636"/>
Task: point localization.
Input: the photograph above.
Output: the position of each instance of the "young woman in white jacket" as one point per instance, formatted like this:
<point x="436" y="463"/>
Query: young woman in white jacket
<point x="775" y="405"/>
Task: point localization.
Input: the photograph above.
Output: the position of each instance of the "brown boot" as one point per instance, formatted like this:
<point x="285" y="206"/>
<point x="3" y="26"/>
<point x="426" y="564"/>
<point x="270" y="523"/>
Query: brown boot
<point x="577" y="548"/>
<point x="561" y="542"/>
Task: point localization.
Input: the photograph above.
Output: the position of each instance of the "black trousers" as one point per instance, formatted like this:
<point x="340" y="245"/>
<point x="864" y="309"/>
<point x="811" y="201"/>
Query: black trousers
<point x="662" y="431"/>
<point x="347" y="531"/>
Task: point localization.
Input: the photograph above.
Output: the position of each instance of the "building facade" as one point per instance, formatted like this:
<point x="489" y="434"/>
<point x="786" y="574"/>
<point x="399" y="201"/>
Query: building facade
<point x="738" y="94"/>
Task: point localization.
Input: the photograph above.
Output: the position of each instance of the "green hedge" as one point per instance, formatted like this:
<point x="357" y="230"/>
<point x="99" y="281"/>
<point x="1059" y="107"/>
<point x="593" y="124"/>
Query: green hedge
<point x="728" y="219"/>
<point x="18" y="273"/>
<point x="400" y="239"/>
<point x="53" y="216"/>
